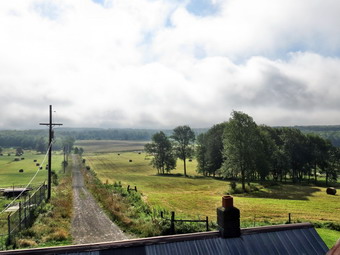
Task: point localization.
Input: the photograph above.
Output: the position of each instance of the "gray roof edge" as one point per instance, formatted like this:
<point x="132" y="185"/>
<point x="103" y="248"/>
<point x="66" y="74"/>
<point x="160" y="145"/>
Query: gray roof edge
<point x="275" y="228"/>
<point x="152" y="240"/>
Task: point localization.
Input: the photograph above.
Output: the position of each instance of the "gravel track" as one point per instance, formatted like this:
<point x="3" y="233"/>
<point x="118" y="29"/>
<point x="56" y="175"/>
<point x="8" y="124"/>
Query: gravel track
<point x="89" y="224"/>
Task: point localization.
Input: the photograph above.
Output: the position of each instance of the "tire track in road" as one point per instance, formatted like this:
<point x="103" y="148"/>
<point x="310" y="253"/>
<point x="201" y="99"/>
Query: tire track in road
<point x="89" y="223"/>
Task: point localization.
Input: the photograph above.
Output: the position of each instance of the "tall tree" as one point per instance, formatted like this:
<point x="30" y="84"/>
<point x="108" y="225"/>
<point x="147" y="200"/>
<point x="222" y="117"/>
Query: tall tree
<point x="161" y="149"/>
<point x="214" y="148"/>
<point x="201" y="154"/>
<point x="241" y="142"/>
<point x="184" y="138"/>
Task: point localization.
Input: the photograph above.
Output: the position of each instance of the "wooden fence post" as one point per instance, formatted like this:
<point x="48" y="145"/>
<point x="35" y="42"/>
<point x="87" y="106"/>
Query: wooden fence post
<point x="9" y="227"/>
<point x="207" y="223"/>
<point x="25" y="213"/>
<point x="20" y="216"/>
<point x="172" y="223"/>
<point x="289" y="220"/>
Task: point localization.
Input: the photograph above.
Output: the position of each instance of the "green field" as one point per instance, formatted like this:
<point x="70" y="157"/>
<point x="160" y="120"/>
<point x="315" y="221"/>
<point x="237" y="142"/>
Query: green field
<point x="199" y="196"/>
<point x="9" y="168"/>
<point x="101" y="146"/>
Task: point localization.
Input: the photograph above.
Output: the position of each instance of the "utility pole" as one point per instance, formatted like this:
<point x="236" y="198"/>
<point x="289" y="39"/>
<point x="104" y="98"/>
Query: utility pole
<point x="51" y="125"/>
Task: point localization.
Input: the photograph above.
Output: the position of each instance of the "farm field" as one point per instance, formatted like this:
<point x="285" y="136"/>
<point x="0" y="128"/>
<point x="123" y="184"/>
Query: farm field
<point x="199" y="196"/>
<point x="101" y="146"/>
<point x="9" y="168"/>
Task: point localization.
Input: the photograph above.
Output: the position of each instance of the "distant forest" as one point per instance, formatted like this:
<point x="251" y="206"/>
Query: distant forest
<point x="32" y="139"/>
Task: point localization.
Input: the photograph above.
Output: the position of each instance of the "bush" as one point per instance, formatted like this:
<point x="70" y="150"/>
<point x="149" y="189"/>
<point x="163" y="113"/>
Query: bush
<point x="25" y="243"/>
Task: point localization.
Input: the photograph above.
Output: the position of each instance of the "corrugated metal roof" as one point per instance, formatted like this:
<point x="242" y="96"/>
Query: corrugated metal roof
<point x="296" y="241"/>
<point x="282" y="239"/>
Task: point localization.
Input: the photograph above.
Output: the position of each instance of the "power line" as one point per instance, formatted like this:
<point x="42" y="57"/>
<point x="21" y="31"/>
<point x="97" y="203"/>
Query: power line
<point x="51" y="125"/>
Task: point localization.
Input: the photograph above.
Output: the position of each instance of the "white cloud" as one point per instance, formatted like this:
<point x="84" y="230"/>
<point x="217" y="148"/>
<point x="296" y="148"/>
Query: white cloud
<point x="140" y="63"/>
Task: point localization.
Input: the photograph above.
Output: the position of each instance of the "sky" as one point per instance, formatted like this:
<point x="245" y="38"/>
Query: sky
<point x="165" y="63"/>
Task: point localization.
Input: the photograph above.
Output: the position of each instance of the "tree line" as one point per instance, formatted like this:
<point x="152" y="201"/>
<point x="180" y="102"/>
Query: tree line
<point x="241" y="149"/>
<point x="34" y="140"/>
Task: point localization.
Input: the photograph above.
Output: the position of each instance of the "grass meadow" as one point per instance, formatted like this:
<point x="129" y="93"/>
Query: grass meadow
<point x="199" y="196"/>
<point x="9" y="168"/>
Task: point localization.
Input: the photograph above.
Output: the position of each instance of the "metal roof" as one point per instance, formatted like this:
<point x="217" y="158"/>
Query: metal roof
<point x="282" y="239"/>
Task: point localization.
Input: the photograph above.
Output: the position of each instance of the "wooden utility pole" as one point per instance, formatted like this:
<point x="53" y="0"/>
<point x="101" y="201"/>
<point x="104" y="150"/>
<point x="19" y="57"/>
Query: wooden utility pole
<point x="51" y="125"/>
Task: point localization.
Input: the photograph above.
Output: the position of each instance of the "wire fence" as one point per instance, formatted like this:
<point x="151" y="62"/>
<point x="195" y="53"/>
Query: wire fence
<point x="21" y="217"/>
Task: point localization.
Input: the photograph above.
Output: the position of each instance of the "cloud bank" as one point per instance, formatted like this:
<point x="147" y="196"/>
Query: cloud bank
<point x="162" y="63"/>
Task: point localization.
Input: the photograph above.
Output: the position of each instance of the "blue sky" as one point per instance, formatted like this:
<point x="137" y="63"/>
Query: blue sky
<point x="162" y="63"/>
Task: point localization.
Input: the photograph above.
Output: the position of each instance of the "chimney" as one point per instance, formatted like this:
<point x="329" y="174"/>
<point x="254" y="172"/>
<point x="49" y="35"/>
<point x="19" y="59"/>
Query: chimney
<point x="228" y="218"/>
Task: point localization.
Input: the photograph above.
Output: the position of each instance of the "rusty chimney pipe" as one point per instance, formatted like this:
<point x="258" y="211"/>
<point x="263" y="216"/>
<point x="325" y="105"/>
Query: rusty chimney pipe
<point x="227" y="201"/>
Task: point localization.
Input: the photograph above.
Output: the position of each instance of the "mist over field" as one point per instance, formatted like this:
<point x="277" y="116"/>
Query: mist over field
<point x="159" y="64"/>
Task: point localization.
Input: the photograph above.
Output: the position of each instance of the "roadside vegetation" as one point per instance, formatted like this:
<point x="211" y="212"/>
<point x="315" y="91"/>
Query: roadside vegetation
<point x="52" y="226"/>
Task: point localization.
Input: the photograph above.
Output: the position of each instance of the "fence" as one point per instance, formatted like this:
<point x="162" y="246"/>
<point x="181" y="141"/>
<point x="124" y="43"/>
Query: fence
<point x="173" y="221"/>
<point x="23" y="217"/>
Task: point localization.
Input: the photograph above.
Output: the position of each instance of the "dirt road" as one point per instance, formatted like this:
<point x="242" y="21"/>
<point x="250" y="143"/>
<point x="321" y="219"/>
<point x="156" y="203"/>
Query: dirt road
<point x="89" y="224"/>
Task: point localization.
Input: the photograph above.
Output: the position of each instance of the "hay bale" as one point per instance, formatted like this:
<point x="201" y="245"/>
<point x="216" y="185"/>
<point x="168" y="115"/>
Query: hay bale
<point x="35" y="160"/>
<point x="331" y="191"/>
<point x="17" y="159"/>
<point x="37" y="164"/>
<point x="190" y="160"/>
<point x="88" y="167"/>
<point x="118" y="154"/>
<point x="21" y="170"/>
<point x="22" y="158"/>
<point x="130" y="160"/>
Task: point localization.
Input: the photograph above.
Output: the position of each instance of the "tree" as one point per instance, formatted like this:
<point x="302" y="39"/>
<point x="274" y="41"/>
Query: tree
<point x="19" y="151"/>
<point x="41" y="145"/>
<point x="209" y="150"/>
<point x="81" y="151"/>
<point x="201" y="154"/>
<point x="184" y="138"/>
<point x="241" y="144"/>
<point x="76" y="150"/>
<point x="164" y="159"/>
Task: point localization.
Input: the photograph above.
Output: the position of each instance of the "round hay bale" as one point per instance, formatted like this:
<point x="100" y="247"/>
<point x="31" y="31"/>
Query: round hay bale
<point x="21" y="170"/>
<point x="331" y="191"/>
<point x="88" y="167"/>
<point x="118" y="154"/>
<point x="35" y="160"/>
<point x="37" y="164"/>
<point x="22" y="158"/>
<point x="130" y="160"/>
